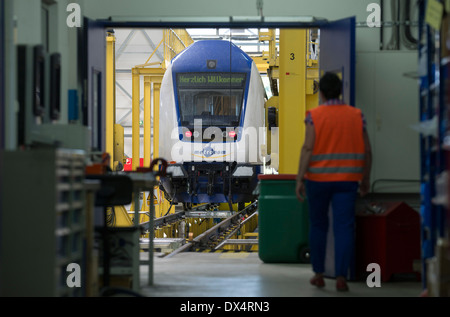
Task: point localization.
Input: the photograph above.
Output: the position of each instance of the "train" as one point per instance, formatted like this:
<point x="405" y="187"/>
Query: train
<point x="212" y="125"/>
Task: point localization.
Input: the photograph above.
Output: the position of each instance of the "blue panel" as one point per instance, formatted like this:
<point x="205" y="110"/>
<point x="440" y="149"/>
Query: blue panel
<point x="94" y="106"/>
<point x="73" y="104"/>
<point x="229" y="57"/>
<point x="337" y="54"/>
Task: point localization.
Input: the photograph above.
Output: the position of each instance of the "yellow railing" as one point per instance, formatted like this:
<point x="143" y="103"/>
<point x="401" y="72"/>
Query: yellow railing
<point x="175" y="40"/>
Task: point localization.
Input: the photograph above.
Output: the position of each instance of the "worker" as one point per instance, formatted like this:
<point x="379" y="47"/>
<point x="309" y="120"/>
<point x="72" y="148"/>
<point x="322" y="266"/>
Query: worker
<point x="335" y="161"/>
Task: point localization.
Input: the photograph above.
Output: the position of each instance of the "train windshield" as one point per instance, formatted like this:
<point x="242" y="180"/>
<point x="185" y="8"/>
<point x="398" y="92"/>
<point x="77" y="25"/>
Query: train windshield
<point x="215" y="98"/>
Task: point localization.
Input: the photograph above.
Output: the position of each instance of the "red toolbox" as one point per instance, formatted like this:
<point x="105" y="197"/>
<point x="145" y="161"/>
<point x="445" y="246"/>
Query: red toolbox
<point x="390" y="238"/>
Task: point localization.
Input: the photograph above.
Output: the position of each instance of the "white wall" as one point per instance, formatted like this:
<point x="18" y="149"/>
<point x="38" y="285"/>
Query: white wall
<point x="27" y="17"/>
<point x="389" y="101"/>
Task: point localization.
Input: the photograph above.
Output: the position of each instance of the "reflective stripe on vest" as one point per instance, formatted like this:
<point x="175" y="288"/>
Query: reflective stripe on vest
<point x="337" y="156"/>
<point x="318" y="170"/>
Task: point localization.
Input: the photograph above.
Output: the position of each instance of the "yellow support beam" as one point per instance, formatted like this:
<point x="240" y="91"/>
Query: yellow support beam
<point x="147" y="120"/>
<point x="150" y="71"/>
<point x="110" y="101"/>
<point x="175" y="40"/>
<point x="119" y="156"/>
<point x="292" y="98"/>
<point x="151" y="75"/>
<point x="156" y="97"/>
<point x="272" y="55"/>
<point x="135" y="118"/>
<point x="122" y="219"/>
<point x="261" y="62"/>
<point x="154" y="51"/>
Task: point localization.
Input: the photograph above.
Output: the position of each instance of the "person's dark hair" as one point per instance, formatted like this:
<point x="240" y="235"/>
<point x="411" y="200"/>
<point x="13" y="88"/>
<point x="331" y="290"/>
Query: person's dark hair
<point x="330" y="86"/>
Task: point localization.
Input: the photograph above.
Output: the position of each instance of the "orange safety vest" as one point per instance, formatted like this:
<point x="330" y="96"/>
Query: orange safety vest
<point x="338" y="153"/>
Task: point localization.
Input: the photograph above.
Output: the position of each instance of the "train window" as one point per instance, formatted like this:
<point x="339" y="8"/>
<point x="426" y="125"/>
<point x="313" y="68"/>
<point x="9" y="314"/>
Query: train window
<point x="215" y="104"/>
<point x="214" y="108"/>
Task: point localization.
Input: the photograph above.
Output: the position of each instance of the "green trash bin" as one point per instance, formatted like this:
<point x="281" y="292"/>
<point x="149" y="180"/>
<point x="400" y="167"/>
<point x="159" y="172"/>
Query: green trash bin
<point x="283" y="223"/>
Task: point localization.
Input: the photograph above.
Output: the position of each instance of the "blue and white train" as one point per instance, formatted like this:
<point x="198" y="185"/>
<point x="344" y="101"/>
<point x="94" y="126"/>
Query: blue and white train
<point x="212" y="124"/>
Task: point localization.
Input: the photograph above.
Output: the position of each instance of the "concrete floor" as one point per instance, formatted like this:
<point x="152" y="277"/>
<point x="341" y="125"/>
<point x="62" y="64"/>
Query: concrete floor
<point x="245" y="275"/>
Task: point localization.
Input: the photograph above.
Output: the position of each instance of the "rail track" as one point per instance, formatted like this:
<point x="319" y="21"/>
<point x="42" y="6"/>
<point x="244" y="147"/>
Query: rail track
<point x="212" y="239"/>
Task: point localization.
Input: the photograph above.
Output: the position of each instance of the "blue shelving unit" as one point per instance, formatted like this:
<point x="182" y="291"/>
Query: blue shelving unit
<point x="432" y="71"/>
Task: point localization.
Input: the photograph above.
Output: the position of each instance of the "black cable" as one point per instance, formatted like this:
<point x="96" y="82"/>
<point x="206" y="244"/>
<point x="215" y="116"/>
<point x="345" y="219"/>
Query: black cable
<point x="106" y="251"/>
<point x="170" y="207"/>
<point x="408" y="34"/>
<point x="110" y="217"/>
<point x="171" y="202"/>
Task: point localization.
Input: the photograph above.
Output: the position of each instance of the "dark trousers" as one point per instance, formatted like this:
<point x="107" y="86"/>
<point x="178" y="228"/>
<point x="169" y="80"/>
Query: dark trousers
<point x="342" y="196"/>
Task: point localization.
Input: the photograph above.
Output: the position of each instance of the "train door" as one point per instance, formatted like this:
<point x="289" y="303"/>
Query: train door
<point x="93" y="70"/>
<point x="337" y="54"/>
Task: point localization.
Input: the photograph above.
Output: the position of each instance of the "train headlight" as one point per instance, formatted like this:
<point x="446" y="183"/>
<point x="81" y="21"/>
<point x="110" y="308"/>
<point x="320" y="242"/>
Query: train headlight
<point x="188" y="134"/>
<point x="176" y="170"/>
<point x="231" y="134"/>
<point x="243" y="171"/>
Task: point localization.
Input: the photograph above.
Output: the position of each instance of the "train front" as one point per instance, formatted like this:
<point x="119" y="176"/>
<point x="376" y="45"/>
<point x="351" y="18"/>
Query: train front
<point x="211" y="116"/>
